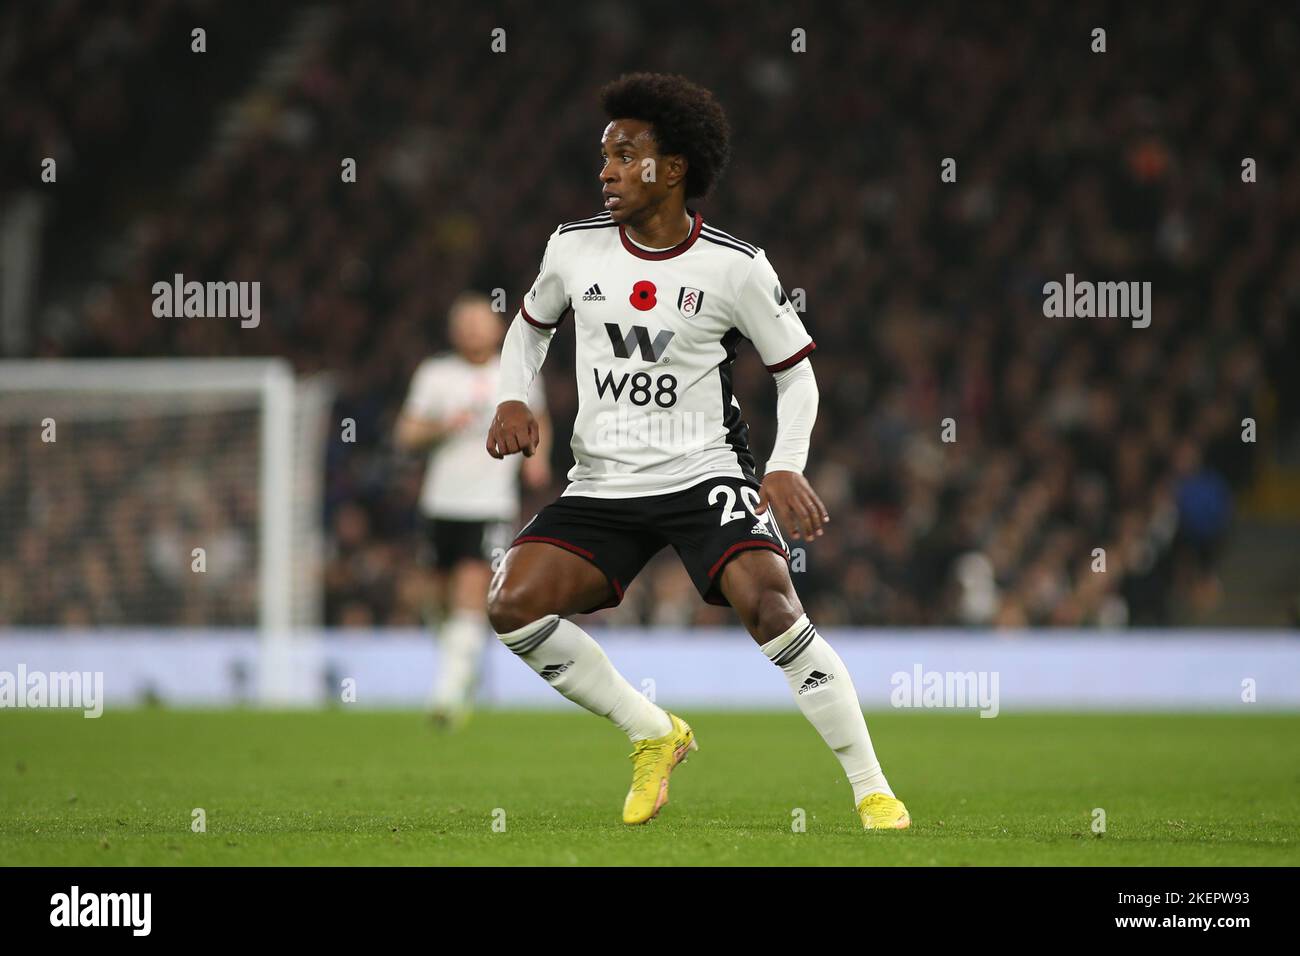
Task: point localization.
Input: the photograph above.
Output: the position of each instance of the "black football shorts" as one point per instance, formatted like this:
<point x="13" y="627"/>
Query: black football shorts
<point x="707" y="524"/>
<point x="448" y="541"/>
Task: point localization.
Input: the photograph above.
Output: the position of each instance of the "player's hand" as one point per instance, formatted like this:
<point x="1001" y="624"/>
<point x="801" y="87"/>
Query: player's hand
<point x="416" y="434"/>
<point x="513" y="429"/>
<point x="797" y="507"/>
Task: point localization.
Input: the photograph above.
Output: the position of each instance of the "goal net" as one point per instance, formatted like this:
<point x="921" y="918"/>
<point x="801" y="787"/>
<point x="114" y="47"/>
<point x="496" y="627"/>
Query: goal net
<point x="161" y="494"/>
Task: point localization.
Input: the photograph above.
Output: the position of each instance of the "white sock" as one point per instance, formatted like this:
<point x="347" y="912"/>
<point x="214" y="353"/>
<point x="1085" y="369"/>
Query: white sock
<point x="573" y="663"/>
<point x="829" y="702"/>
<point x="460" y="644"/>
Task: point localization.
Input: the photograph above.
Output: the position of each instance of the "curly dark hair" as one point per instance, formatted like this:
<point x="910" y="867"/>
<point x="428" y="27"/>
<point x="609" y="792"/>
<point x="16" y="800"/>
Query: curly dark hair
<point x="686" y="120"/>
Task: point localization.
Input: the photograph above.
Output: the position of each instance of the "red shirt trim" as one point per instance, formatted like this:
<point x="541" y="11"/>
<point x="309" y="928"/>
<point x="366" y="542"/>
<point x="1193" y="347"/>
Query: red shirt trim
<point x="583" y="553"/>
<point x="676" y="250"/>
<point x="793" y="359"/>
<point x="558" y="542"/>
<point x="743" y="546"/>
<point x="531" y="321"/>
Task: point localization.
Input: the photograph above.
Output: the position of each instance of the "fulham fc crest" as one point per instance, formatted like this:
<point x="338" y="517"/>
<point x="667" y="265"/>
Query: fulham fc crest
<point x="689" y="301"/>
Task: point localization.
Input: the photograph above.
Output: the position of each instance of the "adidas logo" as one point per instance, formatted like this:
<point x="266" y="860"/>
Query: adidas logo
<point x="552" y="671"/>
<point x="815" y="680"/>
<point x="761" y="528"/>
<point x="593" y="294"/>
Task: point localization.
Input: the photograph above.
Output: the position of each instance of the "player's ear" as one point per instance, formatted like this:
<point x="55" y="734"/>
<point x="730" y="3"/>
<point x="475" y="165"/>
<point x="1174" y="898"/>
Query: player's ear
<point x="676" y="169"/>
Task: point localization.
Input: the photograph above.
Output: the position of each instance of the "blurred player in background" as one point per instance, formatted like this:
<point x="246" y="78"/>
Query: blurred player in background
<point x="661" y="302"/>
<point x="469" y="502"/>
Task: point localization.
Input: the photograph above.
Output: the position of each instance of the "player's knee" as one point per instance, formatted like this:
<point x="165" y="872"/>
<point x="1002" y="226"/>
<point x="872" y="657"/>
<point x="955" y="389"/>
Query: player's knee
<point x="775" y="610"/>
<point x="512" y="606"/>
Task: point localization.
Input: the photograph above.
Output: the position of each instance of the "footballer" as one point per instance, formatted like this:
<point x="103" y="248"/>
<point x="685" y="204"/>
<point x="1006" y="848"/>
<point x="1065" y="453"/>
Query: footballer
<point x="661" y="300"/>
<point x="468" y="502"/>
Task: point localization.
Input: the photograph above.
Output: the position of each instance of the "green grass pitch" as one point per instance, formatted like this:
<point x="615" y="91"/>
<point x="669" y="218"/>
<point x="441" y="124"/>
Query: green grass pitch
<point x="356" y="787"/>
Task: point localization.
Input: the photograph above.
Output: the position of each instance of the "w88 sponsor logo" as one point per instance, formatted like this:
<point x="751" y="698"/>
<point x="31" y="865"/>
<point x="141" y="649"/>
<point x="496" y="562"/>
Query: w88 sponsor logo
<point x="664" y="390"/>
<point x="641" y="387"/>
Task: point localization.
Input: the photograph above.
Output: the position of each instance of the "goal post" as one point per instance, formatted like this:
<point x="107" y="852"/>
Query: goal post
<point x="165" y="494"/>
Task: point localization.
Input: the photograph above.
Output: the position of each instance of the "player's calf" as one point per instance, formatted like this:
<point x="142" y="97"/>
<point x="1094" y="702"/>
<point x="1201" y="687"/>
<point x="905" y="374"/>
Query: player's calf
<point x="760" y="590"/>
<point x="825" y="693"/>
<point x="567" y="658"/>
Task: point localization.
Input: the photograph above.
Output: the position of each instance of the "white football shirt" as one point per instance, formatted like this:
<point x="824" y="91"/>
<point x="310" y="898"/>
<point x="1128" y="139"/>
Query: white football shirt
<point x="656" y="333"/>
<point x="462" y="481"/>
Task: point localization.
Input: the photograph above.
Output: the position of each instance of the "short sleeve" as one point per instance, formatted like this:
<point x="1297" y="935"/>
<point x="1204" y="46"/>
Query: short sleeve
<point x="424" y="400"/>
<point x="765" y="316"/>
<point x="546" y="301"/>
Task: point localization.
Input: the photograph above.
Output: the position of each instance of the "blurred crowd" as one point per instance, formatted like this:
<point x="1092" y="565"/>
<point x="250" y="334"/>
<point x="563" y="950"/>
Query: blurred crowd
<point x="68" y="70"/>
<point x="101" y="522"/>
<point x="925" y="297"/>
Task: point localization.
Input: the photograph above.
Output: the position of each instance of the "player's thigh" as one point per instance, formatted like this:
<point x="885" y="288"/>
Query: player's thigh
<point x="576" y="556"/>
<point x="463" y="552"/>
<point x="757" y="584"/>
<point x="711" y="524"/>
<point x="471" y="574"/>
<point x="536" y="579"/>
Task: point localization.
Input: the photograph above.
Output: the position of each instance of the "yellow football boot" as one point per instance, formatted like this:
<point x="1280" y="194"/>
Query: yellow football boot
<point x="880" y="811"/>
<point x="652" y="761"/>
